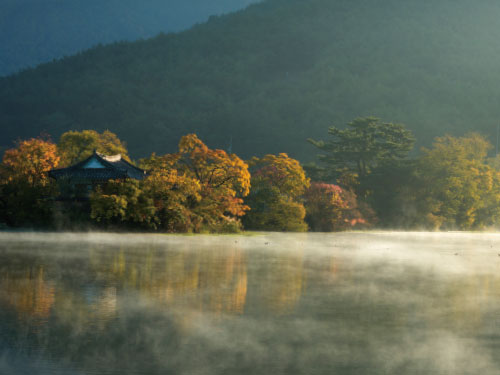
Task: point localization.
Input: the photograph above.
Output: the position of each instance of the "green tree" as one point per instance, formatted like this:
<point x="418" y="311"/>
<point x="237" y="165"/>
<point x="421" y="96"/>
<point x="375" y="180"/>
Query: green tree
<point x="272" y="211"/>
<point x="363" y="145"/>
<point x="367" y="158"/>
<point x="392" y="193"/>
<point x="120" y="203"/>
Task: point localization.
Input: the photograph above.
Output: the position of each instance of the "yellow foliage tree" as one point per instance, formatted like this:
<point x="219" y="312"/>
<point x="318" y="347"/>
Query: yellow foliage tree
<point x="278" y="183"/>
<point x="213" y="168"/>
<point x="458" y="189"/>
<point x="75" y="146"/>
<point x="283" y="172"/>
<point x="173" y="194"/>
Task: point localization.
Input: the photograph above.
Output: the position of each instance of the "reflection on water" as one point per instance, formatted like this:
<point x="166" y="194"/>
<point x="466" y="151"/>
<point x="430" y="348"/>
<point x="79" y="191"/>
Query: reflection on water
<point x="213" y="281"/>
<point x="28" y="293"/>
<point x="387" y="303"/>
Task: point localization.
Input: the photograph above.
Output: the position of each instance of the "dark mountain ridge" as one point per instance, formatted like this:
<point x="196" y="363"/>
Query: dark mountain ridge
<point x="37" y="31"/>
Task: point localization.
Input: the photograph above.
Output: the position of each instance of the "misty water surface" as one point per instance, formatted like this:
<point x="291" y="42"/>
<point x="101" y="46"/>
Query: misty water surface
<point x="351" y="303"/>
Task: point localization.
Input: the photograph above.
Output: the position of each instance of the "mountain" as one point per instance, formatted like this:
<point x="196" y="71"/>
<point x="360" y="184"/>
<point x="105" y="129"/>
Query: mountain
<point x="266" y="78"/>
<point x="36" y="31"/>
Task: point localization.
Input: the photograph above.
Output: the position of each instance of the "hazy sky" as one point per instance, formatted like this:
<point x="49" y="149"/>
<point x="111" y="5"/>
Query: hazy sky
<point x="35" y="31"/>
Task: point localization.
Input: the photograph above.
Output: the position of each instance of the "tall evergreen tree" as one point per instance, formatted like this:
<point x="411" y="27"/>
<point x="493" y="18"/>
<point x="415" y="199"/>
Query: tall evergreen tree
<point x="365" y="144"/>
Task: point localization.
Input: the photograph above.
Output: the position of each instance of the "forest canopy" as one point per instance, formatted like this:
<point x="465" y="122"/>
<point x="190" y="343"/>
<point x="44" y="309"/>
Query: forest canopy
<point x="455" y="184"/>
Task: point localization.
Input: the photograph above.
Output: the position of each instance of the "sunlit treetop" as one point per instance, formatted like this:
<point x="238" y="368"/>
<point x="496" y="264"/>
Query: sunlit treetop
<point x="211" y="182"/>
<point x="281" y="171"/>
<point x="158" y="162"/>
<point x="213" y="168"/>
<point x="458" y="189"/>
<point x="30" y="161"/>
<point x="75" y="146"/>
<point x="472" y="147"/>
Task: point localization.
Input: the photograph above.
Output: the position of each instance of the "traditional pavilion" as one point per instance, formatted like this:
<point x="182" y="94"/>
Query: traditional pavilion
<point x="80" y="179"/>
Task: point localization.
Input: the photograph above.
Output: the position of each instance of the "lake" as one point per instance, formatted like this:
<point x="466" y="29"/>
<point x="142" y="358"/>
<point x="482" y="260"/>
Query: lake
<point x="342" y="303"/>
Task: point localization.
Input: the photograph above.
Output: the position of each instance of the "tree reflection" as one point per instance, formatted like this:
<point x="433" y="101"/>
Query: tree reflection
<point x="87" y="293"/>
<point x="214" y="281"/>
<point x="188" y="304"/>
<point x="28" y="293"/>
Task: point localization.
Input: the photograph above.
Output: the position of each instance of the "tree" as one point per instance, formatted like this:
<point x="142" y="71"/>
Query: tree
<point x="173" y="195"/>
<point x="75" y="146"/>
<point x="283" y="172"/>
<point x="456" y="187"/>
<point x="123" y="202"/>
<point x="363" y="145"/>
<point x="24" y="183"/>
<point x="278" y="183"/>
<point x="192" y="190"/>
<point x="325" y="207"/>
<point x="214" y="169"/>
<point x="392" y="193"/>
<point x="160" y="202"/>
<point x="224" y="180"/>
<point x="31" y="161"/>
<point x="208" y="185"/>
<point x="362" y="159"/>
<point x="272" y="211"/>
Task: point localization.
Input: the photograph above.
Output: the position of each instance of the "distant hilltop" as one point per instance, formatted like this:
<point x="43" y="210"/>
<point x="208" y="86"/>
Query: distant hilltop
<point x="264" y="79"/>
<point x="34" y="31"/>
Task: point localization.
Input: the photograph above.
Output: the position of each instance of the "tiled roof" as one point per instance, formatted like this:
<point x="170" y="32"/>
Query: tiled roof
<point x="112" y="167"/>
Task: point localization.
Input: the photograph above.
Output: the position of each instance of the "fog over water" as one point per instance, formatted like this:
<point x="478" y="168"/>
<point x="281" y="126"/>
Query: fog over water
<point x="347" y="303"/>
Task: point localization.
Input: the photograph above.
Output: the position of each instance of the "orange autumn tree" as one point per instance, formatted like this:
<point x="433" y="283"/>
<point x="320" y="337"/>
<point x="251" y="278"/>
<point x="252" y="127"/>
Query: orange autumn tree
<point x="24" y="183"/>
<point x="30" y="161"/>
<point x="224" y="180"/>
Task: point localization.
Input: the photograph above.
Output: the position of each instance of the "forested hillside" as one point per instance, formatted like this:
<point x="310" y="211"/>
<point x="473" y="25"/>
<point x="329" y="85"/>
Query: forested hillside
<point x="36" y="31"/>
<point x="265" y="79"/>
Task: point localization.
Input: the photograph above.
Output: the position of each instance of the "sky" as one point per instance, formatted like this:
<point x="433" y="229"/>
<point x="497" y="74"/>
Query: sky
<point x="37" y="31"/>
